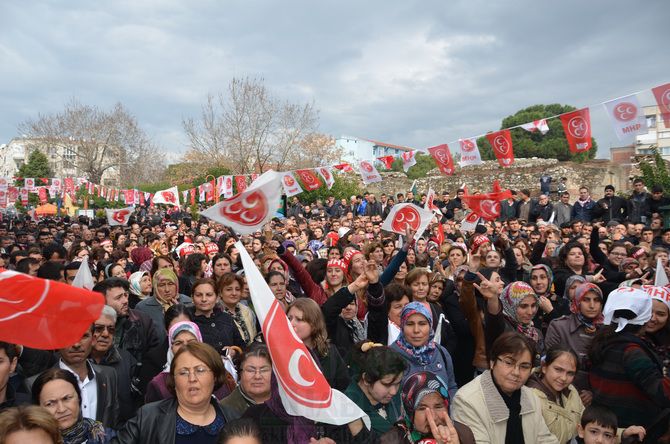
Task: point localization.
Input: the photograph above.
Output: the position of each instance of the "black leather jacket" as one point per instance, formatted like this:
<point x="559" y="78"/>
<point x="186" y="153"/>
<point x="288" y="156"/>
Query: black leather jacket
<point x="155" y="423"/>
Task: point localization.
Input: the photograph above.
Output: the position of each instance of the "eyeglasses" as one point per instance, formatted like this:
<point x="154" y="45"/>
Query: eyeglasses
<point x="257" y="371"/>
<point x="98" y="329"/>
<point x="198" y="372"/>
<point x="510" y="364"/>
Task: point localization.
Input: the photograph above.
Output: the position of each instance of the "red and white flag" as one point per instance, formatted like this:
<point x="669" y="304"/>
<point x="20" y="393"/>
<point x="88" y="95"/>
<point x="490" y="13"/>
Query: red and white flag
<point x="303" y="388"/>
<point x="169" y="196"/>
<point x="469" y="222"/>
<point x="241" y="183"/>
<point x="443" y="159"/>
<point x="536" y="126"/>
<point x="577" y="128"/>
<point x="119" y="217"/>
<point x="430" y="201"/>
<point x="387" y="161"/>
<point x="626" y="117"/>
<point x="184" y="196"/>
<point x="56" y="183"/>
<point x="408" y="159"/>
<point x="3" y="198"/>
<point x="469" y="152"/>
<point x="227" y="189"/>
<point x="487" y="205"/>
<point x="309" y="179"/>
<point x="29" y="183"/>
<point x="327" y="176"/>
<point x="4" y="183"/>
<point x="369" y="173"/>
<point x="344" y="167"/>
<point x="662" y="95"/>
<point x="501" y="142"/>
<point x="201" y="192"/>
<point x="290" y="184"/>
<point x="42" y="192"/>
<point x="44" y="314"/>
<point x="248" y="211"/>
<point x="24" y="196"/>
<point x="407" y="214"/>
<point x="69" y="184"/>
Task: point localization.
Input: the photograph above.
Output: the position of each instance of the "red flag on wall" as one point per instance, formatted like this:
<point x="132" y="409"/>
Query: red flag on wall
<point x="501" y="142"/>
<point x="442" y="156"/>
<point x="387" y="161"/>
<point x="309" y="179"/>
<point x="577" y="128"/>
<point x="662" y="94"/>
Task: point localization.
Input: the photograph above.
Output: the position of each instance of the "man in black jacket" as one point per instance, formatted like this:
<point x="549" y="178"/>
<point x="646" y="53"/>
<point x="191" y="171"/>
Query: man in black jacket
<point x="613" y="207"/>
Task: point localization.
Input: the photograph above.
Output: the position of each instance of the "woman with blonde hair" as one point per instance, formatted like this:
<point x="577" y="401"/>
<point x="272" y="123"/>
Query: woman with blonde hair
<point x="31" y="423"/>
<point x="309" y="325"/>
<point x="229" y="289"/>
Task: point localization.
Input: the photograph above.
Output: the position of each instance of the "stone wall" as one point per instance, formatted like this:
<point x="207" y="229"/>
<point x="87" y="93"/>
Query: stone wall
<point x="525" y="173"/>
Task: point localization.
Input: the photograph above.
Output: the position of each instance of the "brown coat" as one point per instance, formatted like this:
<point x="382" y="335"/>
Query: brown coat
<point x="472" y="314"/>
<point x="569" y="332"/>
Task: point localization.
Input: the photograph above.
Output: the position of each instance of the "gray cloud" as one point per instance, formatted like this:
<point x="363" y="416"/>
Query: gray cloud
<point x="413" y="73"/>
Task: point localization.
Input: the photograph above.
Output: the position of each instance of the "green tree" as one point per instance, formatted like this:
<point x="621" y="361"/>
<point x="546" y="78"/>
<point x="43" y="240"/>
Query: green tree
<point x="424" y="163"/>
<point x="344" y="187"/>
<point x="552" y="145"/>
<point x="37" y="167"/>
<point x="655" y="170"/>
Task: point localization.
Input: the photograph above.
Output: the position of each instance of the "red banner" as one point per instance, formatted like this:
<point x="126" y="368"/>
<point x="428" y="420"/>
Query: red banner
<point x="662" y="94"/>
<point x="309" y="179"/>
<point x="241" y="183"/>
<point x="42" y="192"/>
<point x="577" y="128"/>
<point x="387" y="161"/>
<point x="442" y="156"/>
<point x="501" y="142"/>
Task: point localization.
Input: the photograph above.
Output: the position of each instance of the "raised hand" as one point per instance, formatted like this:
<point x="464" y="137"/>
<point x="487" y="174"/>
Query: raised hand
<point x="445" y="432"/>
<point x="372" y="273"/>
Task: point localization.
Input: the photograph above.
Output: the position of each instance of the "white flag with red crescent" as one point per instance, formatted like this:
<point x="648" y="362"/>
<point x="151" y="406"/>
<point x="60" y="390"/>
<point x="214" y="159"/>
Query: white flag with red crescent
<point x="290" y="184"/>
<point x="327" y="175"/>
<point x="536" y="126"/>
<point x="303" y="388"/>
<point x="407" y="214"/>
<point x="249" y="210"/>
<point x="627" y="118"/>
<point x="169" y="196"/>
<point x="120" y="216"/>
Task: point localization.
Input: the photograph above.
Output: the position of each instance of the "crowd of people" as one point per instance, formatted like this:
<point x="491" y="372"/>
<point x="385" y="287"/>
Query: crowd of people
<point x="543" y="326"/>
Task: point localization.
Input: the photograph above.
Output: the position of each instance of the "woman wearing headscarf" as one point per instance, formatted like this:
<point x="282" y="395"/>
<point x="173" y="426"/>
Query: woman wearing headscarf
<point x="578" y="329"/>
<point x="425" y="399"/>
<point x="417" y="346"/>
<point x="139" y="256"/>
<point x="180" y="334"/>
<point x="512" y="310"/>
<point x="657" y="330"/>
<point x="140" y="287"/>
<point x="551" y="305"/>
<point x="626" y="375"/>
<point x="165" y="295"/>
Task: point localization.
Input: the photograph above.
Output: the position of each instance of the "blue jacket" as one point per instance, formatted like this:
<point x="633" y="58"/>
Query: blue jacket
<point x="583" y="212"/>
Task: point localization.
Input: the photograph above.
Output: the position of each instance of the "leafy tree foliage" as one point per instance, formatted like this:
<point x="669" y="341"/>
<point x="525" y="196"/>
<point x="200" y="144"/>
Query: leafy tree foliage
<point x="655" y="170"/>
<point x="344" y="187"/>
<point x="424" y="163"/>
<point x="37" y="166"/>
<point x="552" y="145"/>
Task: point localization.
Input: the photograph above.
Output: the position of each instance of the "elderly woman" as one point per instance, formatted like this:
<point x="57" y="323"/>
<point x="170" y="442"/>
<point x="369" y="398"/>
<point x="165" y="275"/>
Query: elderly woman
<point x="58" y="391"/>
<point x="31" y="424"/>
<point x="193" y="415"/>
<point x="496" y="405"/>
<point x="425" y="398"/>
<point x="254" y="385"/>
<point x="180" y="334"/>
<point x="140" y="288"/>
<point x="165" y="295"/>
<point x="417" y="346"/>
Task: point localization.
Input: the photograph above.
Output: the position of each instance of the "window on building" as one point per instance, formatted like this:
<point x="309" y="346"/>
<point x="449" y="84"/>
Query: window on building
<point x="664" y="135"/>
<point x="665" y="151"/>
<point x="651" y="121"/>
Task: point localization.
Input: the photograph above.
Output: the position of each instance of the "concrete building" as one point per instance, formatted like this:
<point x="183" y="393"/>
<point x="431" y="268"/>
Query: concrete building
<point x="62" y="159"/>
<point x="355" y="148"/>
<point x="658" y="134"/>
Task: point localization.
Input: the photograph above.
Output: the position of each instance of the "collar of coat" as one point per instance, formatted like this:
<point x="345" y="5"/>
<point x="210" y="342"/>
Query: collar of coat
<point x="496" y="405"/>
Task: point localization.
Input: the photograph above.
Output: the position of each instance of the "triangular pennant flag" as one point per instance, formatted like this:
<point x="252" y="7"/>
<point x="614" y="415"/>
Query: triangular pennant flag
<point x="368" y="172"/>
<point x="469" y="152"/>
<point x="248" y="211"/>
<point x="662" y="95"/>
<point x="290" y="184"/>
<point x="501" y="143"/>
<point x="83" y="278"/>
<point x="442" y="156"/>
<point x="469" y="222"/>
<point x="536" y="126"/>
<point x="626" y="117"/>
<point x="327" y="176"/>
<point x="303" y="388"/>
<point x="309" y="179"/>
<point x="661" y="278"/>
<point x="577" y="128"/>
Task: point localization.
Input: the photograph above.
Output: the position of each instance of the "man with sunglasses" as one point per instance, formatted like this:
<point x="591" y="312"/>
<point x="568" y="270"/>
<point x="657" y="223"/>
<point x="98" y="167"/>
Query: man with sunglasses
<point x="105" y="353"/>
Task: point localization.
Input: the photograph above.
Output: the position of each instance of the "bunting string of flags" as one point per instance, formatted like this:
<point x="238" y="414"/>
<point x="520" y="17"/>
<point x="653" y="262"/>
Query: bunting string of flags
<point x="625" y="114"/>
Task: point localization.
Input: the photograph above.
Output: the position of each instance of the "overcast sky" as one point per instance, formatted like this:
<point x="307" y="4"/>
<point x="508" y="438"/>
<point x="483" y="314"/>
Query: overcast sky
<point x="415" y="73"/>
